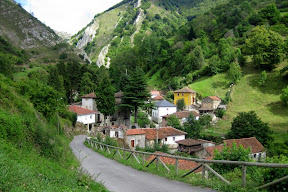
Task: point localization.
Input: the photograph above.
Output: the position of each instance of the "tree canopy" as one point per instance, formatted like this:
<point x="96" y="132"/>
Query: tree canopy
<point x="248" y="124"/>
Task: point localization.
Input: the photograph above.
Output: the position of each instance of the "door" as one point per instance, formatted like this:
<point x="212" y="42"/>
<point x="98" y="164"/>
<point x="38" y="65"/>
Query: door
<point x="132" y="143"/>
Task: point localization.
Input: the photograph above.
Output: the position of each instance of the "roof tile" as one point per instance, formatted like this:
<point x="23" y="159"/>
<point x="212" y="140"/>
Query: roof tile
<point x="151" y="133"/>
<point x="90" y="95"/>
<point x="135" y="132"/>
<point x="185" y="90"/>
<point x="80" y="111"/>
<point x="251" y="142"/>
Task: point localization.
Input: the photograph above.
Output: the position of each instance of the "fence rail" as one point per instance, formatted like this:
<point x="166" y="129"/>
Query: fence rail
<point x="203" y="162"/>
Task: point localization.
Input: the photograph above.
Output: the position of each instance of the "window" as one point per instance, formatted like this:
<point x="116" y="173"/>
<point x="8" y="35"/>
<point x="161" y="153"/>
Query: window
<point x="138" y="142"/>
<point x="116" y="134"/>
<point x="167" y="109"/>
<point x="178" y="94"/>
<point x="173" y="138"/>
<point x="90" y="116"/>
<point x="182" y="94"/>
<point x="166" y="139"/>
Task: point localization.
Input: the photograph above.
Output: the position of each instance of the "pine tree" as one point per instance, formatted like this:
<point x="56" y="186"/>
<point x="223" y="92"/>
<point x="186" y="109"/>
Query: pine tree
<point x="135" y="91"/>
<point x="105" y="99"/>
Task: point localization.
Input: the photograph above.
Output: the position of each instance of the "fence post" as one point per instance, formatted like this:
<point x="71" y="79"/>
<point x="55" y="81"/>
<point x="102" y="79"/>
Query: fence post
<point x="157" y="162"/>
<point x="143" y="159"/>
<point x="176" y="166"/>
<point x="203" y="171"/>
<point x="244" y="168"/>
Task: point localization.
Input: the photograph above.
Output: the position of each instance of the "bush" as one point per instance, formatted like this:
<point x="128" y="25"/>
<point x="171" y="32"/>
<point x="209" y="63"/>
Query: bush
<point x="220" y="113"/>
<point x="233" y="154"/>
<point x="110" y="141"/>
<point x="271" y="174"/>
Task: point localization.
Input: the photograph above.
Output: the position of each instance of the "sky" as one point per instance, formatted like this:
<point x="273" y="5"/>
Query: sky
<point x="66" y="15"/>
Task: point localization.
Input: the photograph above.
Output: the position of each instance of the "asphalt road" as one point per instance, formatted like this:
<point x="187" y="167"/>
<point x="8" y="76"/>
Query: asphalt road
<point x="120" y="178"/>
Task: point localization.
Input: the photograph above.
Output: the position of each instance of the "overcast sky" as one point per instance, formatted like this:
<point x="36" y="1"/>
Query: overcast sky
<point x="66" y="15"/>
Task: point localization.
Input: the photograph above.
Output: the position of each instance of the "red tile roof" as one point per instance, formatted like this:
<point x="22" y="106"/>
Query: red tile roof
<point x="183" y="114"/>
<point x="190" y="142"/>
<point x="158" y="97"/>
<point x="151" y="133"/>
<point x="215" y="98"/>
<point x="251" y="142"/>
<point x="135" y="132"/>
<point x="185" y="90"/>
<point x="80" y="111"/>
<point x="90" y="95"/>
<point x="183" y="164"/>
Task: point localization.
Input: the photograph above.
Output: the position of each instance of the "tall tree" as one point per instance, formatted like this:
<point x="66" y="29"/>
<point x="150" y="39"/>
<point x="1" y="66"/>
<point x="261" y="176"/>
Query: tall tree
<point x="105" y="99"/>
<point x="266" y="46"/>
<point x="248" y="124"/>
<point x="235" y="72"/>
<point x="192" y="127"/>
<point x="135" y="91"/>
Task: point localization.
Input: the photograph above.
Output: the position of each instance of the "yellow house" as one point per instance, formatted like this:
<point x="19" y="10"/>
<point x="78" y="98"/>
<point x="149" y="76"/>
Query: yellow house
<point x="187" y="94"/>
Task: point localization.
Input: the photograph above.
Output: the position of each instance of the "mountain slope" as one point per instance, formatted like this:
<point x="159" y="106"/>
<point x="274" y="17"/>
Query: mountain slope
<point x="22" y="29"/>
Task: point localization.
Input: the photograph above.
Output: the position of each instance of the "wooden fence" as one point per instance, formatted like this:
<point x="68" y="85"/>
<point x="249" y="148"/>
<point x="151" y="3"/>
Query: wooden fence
<point x="203" y="162"/>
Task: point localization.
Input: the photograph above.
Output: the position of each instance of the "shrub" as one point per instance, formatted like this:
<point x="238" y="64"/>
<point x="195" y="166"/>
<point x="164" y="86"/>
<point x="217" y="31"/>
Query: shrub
<point x="110" y="141"/>
<point x="220" y="112"/>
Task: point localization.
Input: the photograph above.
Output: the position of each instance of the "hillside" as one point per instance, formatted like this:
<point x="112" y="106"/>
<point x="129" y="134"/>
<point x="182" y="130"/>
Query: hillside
<point x="41" y="43"/>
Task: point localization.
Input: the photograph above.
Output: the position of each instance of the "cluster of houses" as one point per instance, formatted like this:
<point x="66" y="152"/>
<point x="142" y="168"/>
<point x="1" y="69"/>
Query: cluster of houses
<point x="119" y="125"/>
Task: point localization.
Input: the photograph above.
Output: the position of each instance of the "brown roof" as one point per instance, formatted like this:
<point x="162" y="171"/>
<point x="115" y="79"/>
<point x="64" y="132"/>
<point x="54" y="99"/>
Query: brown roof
<point x="151" y="133"/>
<point x="90" y="95"/>
<point x="190" y="142"/>
<point x="185" y="90"/>
<point x="211" y="150"/>
<point x="251" y="142"/>
<point x="135" y="132"/>
<point x="119" y="94"/>
<point x="183" y="114"/>
<point x="154" y="92"/>
<point x="158" y="97"/>
<point x="209" y="108"/>
<point x="215" y="98"/>
<point x="183" y="164"/>
<point x="80" y="111"/>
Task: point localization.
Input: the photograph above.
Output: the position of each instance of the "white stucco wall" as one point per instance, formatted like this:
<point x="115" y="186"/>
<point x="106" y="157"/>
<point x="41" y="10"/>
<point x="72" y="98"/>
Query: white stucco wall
<point x="161" y="111"/>
<point x="172" y="141"/>
<point x="88" y="103"/>
<point x="113" y="134"/>
<point x="86" y="119"/>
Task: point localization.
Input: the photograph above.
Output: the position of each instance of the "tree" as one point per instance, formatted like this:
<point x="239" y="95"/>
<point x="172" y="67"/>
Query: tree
<point x="284" y="95"/>
<point x="135" y="91"/>
<point x="180" y="104"/>
<point x="86" y="84"/>
<point x="105" y="99"/>
<point x="248" y="124"/>
<point x="266" y="46"/>
<point x="143" y="119"/>
<point x="192" y="127"/>
<point x="173" y="121"/>
<point x="235" y="72"/>
<point x="263" y="78"/>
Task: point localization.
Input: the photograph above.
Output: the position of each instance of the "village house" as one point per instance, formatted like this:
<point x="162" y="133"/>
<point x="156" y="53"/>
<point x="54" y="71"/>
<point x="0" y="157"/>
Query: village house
<point x="121" y="115"/>
<point x="154" y="93"/>
<point x="84" y="116"/>
<point x="135" y="137"/>
<point x="257" y="149"/>
<point x="157" y="99"/>
<point x="209" y="104"/>
<point x="194" y="147"/>
<point x="114" y="131"/>
<point x="164" y="135"/>
<point x="181" y="115"/>
<point x="162" y="108"/>
<point x="188" y="95"/>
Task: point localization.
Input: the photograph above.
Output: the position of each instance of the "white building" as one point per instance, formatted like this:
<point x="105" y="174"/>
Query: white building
<point x="162" y="108"/>
<point x="165" y="135"/>
<point x="84" y="116"/>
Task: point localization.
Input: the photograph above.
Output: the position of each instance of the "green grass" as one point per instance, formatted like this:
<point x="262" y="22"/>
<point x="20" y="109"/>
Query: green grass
<point x="248" y="95"/>
<point x="192" y="179"/>
<point x="23" y="170"/>
<point x="217" y="85"/>
<point x="155" y="81"/>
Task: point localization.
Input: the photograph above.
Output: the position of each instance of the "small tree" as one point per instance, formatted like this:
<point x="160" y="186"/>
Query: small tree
<point x="235" y="72"/>
<point x="205" y="120"/>
<point x="263" y="78"/>
<point x="180" y="104"/>
<point x="232" y="153"/>
<point x="192" y="127"/>
<point x="284" y="95"/>
<point x="173" y="121"/>
<point x="248" y="124"/>
<point x="143" y="119"/>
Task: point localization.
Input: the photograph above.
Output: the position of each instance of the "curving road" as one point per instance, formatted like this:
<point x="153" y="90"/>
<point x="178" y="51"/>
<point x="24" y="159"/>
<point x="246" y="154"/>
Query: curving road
<point x="120" y="178"/>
